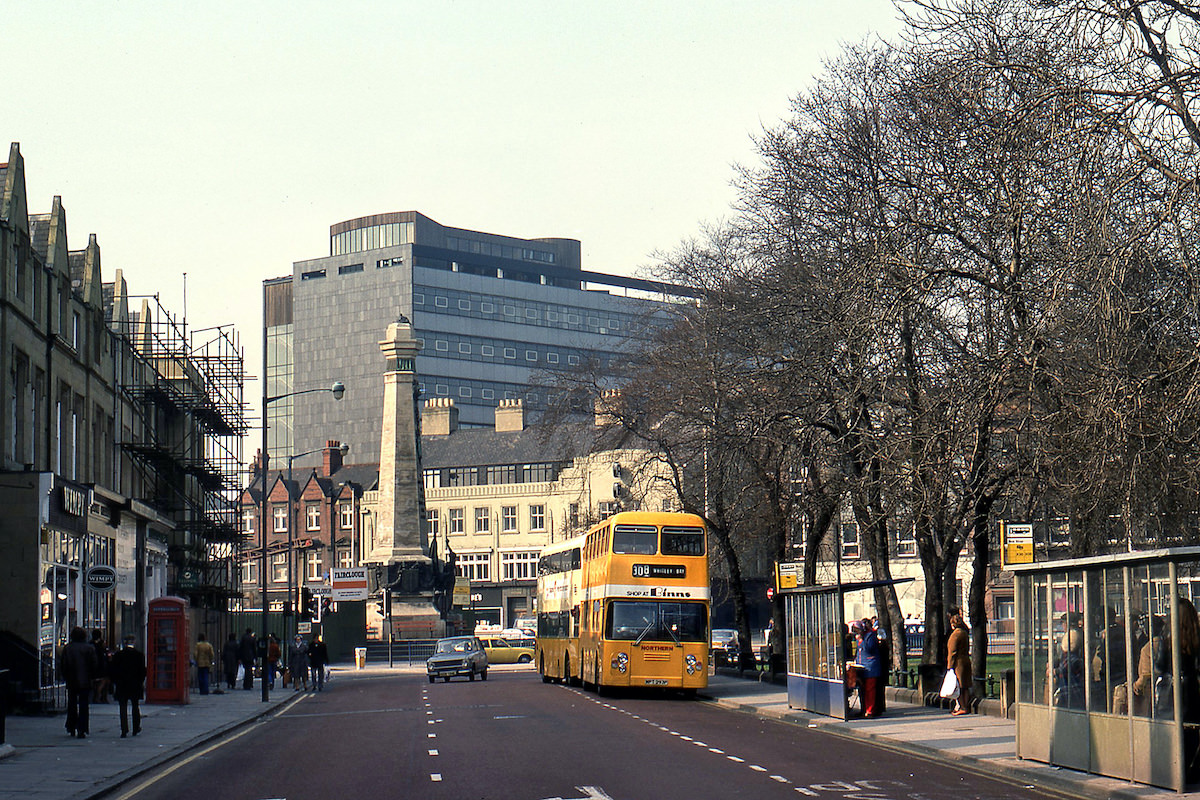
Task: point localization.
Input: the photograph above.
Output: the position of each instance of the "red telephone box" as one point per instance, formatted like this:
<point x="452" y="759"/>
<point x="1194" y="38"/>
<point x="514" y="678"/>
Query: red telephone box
<point x="167" y="650"/>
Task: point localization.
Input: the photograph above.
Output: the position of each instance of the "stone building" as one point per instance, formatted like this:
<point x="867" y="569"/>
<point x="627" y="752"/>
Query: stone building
<point x="119" y="447"/>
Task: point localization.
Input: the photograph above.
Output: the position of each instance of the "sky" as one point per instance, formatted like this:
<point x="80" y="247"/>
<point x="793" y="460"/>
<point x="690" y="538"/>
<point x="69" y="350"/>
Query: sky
<point x="221" y="139"/>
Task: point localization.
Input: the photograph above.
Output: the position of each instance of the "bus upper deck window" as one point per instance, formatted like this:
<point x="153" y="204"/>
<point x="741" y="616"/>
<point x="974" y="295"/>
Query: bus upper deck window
<point x="682" y="541"/>
<point x="641" y="540"/>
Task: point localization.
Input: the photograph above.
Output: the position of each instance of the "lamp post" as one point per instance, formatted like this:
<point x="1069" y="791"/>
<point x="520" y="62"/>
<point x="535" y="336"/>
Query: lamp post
<point x="294" y="585"/>
<point x="339" y="390"/>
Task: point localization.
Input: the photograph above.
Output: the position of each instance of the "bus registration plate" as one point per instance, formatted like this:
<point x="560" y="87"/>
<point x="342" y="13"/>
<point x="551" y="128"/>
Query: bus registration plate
<point x="656" y="681"/>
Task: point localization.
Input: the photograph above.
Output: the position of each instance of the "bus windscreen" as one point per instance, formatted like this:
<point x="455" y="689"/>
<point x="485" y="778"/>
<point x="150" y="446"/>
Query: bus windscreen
<point x="682" y="541"/>
<point x="640" y="621"/>
<point x="639" y="540"/>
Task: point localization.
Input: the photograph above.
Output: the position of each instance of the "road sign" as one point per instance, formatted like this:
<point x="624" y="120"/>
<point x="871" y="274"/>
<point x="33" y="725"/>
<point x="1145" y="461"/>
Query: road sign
<point x="1018" y="543"/>
<point x="462" y="592"/>
<point x="349" y="583"/>
<point x="303" y="627"/>
<point x="101" y="578"/>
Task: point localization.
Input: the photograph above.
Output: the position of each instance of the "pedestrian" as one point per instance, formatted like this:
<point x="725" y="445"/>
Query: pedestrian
<point x="129" y="680"/>
<point x="247" y="652"/>
<point x="101" y="682"/>
<point x="959" y="659"/>
<point x="78" y="667"/>
<point x="868" y="657"/>
<point x="299" y="663"/>
<point x="229" y="660"/>
<point x="274" y="653"/>
<point x="318" y="657"/>
<point x="205" y="657"/>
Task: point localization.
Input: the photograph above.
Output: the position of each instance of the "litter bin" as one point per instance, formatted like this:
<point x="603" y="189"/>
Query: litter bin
<point x="360" y="657"/>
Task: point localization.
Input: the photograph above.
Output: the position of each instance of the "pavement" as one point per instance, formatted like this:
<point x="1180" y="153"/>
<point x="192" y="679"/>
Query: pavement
<point x="40" y="762"/>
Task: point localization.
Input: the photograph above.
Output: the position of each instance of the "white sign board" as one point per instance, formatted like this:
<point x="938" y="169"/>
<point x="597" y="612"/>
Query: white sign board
<point x="349" y="583"/>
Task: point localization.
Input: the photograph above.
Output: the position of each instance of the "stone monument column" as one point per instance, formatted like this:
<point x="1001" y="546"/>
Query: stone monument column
<point x="398" y="533"/>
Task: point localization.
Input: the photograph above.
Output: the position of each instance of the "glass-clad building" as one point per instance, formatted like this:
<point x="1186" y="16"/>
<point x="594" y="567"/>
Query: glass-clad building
<point x="490" y="313"/>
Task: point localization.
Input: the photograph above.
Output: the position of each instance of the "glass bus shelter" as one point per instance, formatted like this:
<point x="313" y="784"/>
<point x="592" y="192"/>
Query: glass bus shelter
<point x="817" y="648"/>
<point x="1095" y="665"/>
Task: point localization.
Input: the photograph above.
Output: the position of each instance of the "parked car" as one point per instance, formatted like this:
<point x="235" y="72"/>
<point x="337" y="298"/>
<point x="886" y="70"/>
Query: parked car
<point x="502" y="651"/>
<point x="724" y="646"/>
<point x="457" y="655"/>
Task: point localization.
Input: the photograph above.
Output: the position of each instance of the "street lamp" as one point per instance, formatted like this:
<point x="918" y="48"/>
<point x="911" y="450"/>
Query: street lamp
<point x="291" y="606"/>
<point x="339" y="390"/>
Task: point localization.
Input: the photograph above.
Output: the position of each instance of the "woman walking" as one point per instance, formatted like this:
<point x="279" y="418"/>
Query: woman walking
<point x="959" y="660"/>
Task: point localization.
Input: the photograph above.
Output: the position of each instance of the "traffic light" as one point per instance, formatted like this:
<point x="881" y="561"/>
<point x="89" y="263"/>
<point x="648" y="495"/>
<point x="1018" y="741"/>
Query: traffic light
<point x="308" y="605"/>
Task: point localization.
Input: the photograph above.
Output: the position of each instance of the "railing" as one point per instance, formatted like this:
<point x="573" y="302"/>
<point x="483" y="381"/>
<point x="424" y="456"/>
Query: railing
<point x="987" y="687"/>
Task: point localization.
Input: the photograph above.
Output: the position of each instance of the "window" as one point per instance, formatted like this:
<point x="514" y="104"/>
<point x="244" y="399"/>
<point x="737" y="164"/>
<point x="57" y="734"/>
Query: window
<point x="280" y="515"/>
<point x="441" y="302"/>
<point x="518" y="566"/>
<point x="250" y="571"/>
<point x="537" y="518"/>
<point x="349" y="269"/>
<point x="248" y="521"/>
<point x="573" y="361"/>
<point x="464" y="305"/>
<point x="552" y="358"/>
<point x="487" y="350"/>
<point x="462" y="476"/>
<point x="346" y="516"/>
<point x="849" y="540"/>
<point x="535" y="473"/>
<point x="487" y="308"/>
<point x="456" y="521"/>
<point x="279" y="568"/>
<point x="464" y="348"/>
<point x="510" y="352"/>
<point x="432" y="478"/>
<point x="313" y="275"/>
<point x="312" y="516"/>
<point x="483" y="519"/>
<point x="474" y="566"/>
<point x="345" y="558"/>
<point x="573" y="515"/>
<point x="505" y="473"/>
<point x="432" y="522"/>
<point x="314" y="565"/>
<point x="608" y="507"/>
<point x="441" y="345"/>
<point x="906" y="541"/>
<point x="508" y="519"/>
<point x="531" y="355"/>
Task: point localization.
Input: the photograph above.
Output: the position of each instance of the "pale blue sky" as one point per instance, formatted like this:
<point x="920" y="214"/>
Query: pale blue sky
<point x="222" y="139"/>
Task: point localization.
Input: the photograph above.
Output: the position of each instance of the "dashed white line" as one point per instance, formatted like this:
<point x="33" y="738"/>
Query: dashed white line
<point x="433" y="752"/>
<point x="736" y="759"/>
<point x="435" y="776"/>
<point x="757" y="768"/>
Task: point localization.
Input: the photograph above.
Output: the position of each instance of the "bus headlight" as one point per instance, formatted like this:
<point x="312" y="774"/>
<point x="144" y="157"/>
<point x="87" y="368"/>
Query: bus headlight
<point x="693" y="664"/>
<point x="620" y="662"/>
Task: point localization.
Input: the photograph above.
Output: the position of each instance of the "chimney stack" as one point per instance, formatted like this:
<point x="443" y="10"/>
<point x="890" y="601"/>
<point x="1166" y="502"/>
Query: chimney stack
<point x="510" y="416"/>
<point x="331" y="457"/>
<point x="440" y="417"/>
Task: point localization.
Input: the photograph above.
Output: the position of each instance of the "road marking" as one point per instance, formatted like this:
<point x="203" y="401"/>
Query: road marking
<point x="433" y="752"/>
<point x="805" y="792"/>
<point x="435" y="776"/>
<point x="757" y="768"/>
<point x="431" y="735"/>
<point x="780" y="778"/>
<point x="716" y="750"/>
<point x="735" y="758"/>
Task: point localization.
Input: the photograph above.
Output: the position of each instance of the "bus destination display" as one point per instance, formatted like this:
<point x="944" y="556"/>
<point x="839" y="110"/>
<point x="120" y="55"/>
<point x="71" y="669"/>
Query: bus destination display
<point x="659" y="571"/>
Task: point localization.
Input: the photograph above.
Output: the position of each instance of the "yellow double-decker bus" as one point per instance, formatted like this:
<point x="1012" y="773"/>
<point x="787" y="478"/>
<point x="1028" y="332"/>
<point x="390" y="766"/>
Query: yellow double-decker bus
<point x="626" y="604"/>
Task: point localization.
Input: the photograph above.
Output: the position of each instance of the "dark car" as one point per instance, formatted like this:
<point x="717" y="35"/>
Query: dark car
<point x="457" y="655"/>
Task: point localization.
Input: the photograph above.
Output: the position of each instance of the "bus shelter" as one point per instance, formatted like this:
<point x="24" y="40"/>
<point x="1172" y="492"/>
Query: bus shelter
<point x="1096" y="665"/>
<point x="817" y="645"/>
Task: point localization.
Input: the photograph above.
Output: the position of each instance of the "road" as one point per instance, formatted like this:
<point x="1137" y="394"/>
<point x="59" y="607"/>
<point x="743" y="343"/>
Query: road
<point x="514" y="738"/>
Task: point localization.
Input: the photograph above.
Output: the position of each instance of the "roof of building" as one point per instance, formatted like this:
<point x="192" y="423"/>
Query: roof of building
<point x="534" y="445"/>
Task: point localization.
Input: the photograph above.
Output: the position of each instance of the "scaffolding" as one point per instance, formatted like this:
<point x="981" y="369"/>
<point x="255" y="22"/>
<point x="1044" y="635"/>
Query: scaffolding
<point x="187" y="389"/>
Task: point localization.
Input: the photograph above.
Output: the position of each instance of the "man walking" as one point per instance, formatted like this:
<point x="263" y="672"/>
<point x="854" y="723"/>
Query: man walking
<point x="247" y="652"/>
<point x="318" y="657"/>
<point x="129" y="679"/>
<point x="204" y="661"/>
<point x="79" y="667"/>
